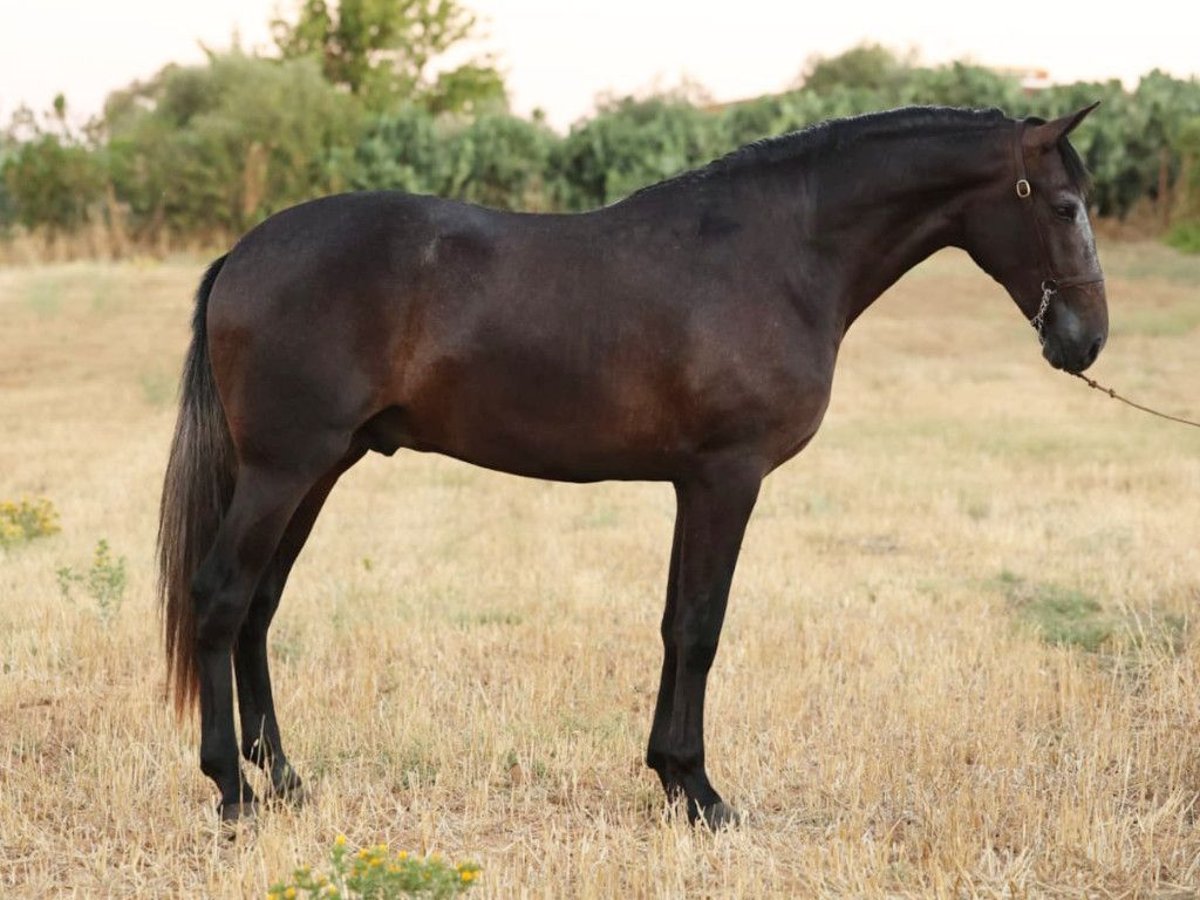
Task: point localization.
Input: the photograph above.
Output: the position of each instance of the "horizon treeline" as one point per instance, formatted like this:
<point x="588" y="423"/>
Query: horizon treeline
<point x="198" y="154"/>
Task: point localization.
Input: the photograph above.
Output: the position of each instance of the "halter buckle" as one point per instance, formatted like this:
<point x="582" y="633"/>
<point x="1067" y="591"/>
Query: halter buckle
<point x="1024" y="189"/>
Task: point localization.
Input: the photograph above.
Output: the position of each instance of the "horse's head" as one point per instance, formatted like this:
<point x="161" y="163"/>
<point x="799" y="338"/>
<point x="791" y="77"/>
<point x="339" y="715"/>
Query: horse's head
<point x="1029" y="230"/>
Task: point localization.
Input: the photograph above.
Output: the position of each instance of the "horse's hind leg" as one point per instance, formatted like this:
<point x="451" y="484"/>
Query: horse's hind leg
<point x="262" y="505"/>
<point x="261" y="743"/>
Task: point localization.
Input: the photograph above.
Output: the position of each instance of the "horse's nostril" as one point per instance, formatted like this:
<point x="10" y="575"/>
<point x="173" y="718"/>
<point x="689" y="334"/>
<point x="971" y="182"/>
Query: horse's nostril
<point x="1095" y="350"/>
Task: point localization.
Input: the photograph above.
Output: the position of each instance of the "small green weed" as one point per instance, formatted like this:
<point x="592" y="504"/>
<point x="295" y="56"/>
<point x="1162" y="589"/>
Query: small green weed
<point x="44" y="297"/>
<point x="104" y="581"/>
<point x="23" y="520"/>
<point x="158" y="388"/>
<point x="488" y="617"/>
<point x="374" y="873"/>
<point x="976" y="510"/>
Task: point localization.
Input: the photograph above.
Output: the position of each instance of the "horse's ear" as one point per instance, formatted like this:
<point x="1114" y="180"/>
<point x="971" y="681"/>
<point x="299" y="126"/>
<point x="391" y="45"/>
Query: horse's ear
<point x="1049" y="134"/>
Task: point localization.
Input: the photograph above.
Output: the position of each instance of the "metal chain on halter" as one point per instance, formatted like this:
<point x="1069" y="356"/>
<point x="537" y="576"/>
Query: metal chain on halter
<point x="1039" y="320"/>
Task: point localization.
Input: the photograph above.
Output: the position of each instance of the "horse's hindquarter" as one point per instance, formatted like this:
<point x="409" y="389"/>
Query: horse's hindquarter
<point x="564" y="347"/>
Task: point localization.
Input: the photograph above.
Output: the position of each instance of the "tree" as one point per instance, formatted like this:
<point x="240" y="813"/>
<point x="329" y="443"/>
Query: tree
<point x="381" y="51"/>
<point x="870" y="66"/>
<point x="631" y="143"/>
<point x="218" y="147"/>
<point x="51" y="176"/>
<point x="495" y="159"/>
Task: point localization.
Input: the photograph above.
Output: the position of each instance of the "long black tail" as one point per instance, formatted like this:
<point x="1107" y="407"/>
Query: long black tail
<point x="196" y="492"/>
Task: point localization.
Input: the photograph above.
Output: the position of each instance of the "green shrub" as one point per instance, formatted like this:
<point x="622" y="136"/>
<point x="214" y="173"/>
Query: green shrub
<point x="23" y="520"/>
<point x="374" y="873"/>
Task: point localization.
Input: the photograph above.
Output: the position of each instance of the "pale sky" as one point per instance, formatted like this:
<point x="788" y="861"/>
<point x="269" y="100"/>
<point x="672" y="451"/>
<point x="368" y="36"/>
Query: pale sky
<point x="559" y="54"/>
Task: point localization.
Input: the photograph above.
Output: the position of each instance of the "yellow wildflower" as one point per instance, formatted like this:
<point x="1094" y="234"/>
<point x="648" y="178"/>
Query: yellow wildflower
<point x="340" y="841"/>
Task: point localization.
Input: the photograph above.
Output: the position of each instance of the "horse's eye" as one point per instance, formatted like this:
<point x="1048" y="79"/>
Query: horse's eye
<point x="1065" y="211"/>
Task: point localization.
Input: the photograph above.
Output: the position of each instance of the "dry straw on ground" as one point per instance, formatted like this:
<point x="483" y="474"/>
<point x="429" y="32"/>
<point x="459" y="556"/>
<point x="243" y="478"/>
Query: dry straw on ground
<point x="960" y="657"/>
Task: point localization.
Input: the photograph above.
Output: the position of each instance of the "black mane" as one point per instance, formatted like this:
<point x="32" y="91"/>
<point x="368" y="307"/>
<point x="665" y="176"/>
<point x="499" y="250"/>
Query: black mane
<point x="838" y="134"/>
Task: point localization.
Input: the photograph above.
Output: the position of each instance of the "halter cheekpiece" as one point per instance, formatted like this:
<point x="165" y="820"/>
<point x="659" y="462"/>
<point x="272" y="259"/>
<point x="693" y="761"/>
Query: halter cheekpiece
<point x="1051" y="281"/>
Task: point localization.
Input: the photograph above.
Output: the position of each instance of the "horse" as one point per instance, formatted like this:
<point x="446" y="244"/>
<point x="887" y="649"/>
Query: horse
<point x="686" y="334"/>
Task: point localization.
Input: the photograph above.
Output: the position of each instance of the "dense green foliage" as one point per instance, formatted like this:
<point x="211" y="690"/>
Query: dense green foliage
<point x="629" y="144"/>
<point x="495" y="158"/>
<point x="204" y="152"/>
<point x="221" y="146"/>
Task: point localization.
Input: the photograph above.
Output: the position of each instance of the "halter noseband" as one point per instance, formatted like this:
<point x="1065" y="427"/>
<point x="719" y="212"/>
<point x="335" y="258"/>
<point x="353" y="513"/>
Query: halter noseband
<point x="1051" y="282"/>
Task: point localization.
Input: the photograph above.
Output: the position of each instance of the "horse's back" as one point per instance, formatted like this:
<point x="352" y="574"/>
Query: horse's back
<point x="575" y="347"/>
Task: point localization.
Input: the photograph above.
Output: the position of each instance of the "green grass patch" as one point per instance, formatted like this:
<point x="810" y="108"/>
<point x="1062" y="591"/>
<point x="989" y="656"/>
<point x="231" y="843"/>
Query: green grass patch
<point x="1069" y="616"/>
<point x="1185" y="237"/>
<point x="1058" y="614"/>
<point x="44" y="297"/>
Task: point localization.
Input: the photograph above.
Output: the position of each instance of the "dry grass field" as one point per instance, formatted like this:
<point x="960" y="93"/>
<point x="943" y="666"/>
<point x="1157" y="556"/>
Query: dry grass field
<point x="961" y="659"/>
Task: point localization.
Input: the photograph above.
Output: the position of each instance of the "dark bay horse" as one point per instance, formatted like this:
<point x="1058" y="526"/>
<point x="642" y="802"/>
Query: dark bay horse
<point x="686" y="334"/>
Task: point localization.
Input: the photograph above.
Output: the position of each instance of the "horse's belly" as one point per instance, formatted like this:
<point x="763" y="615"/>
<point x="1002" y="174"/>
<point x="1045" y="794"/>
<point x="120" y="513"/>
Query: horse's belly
<point x="579" y="444"/>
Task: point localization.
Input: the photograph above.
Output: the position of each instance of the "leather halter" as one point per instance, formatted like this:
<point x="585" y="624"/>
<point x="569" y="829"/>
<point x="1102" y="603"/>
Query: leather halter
<point x="1051" y="280"/>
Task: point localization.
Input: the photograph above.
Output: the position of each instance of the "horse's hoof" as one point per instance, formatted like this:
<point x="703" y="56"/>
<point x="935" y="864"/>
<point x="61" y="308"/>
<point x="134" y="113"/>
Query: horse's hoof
<point x="236" y="814"/>
<point x="719" y="816"/>
<point x="290" y="795"/>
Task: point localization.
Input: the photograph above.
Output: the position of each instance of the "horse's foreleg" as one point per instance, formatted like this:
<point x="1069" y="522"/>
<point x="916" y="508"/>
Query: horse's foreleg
<point x="712" y="516"/>
<point x="261" y="742"/>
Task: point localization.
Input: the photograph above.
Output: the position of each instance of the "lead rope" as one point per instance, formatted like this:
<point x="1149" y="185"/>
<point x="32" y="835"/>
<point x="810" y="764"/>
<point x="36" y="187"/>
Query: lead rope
<point x="1154" y="412"/>
<point x="1038" y="321"/>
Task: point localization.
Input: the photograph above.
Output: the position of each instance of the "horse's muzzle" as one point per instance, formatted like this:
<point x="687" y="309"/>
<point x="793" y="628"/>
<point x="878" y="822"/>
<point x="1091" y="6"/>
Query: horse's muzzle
<point x="1076" y="330"/>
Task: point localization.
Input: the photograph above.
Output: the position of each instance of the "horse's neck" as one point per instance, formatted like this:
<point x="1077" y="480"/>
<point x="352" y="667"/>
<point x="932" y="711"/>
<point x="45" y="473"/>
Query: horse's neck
<point x="891" y="217"/>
